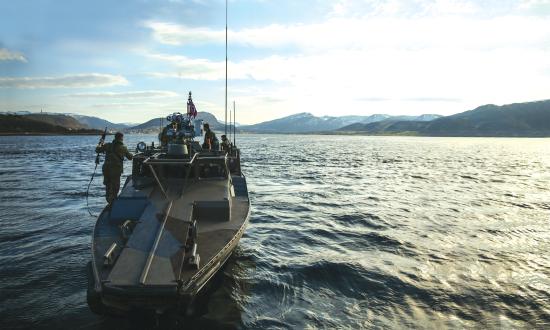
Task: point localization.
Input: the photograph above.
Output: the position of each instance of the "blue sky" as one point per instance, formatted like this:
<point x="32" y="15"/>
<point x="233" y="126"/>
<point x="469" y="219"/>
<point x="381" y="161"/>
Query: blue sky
<point x="129" y="61"/>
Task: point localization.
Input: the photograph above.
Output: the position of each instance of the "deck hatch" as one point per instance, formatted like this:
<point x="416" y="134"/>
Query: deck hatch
<point x="219" y="210"/>
<point x="127" y="208"/>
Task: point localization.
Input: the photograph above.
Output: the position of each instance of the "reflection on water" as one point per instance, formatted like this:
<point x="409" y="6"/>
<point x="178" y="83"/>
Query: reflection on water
<point x="345" y="232"/>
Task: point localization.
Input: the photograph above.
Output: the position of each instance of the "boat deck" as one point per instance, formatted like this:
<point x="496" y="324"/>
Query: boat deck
<point x="153" y="255"/>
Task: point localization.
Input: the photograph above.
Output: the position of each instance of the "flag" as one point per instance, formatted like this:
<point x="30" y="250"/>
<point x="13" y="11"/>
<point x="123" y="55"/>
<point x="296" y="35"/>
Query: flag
<point x="191" y="109"/>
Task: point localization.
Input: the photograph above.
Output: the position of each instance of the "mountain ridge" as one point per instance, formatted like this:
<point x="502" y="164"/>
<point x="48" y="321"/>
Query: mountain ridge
<point x="517" y="119"/>
<point x="99" y="123"/>
<point x="306" y="122"/>
<point x="12" y="124"/>
<point x="154" y="125"/>
<point x="527" y="119"/>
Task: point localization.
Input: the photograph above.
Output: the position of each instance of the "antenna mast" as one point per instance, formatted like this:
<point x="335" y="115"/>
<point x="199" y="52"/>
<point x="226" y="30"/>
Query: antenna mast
<point x="234" y="126"/>
<point x="225" y="67"/>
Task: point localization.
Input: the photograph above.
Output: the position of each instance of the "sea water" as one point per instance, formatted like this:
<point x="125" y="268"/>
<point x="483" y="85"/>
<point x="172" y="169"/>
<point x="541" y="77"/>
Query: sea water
<point x="345" y="232"/>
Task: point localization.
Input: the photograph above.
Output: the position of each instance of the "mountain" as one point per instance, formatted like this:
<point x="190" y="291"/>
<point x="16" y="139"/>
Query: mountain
<point x="518" y="119"/>
<point x="98" y="123"/>
<point x="307" y="123"/>
<point x="424" y="117"/>
<point x="70" y="121"/>
<point x="386" y="127"/>
<point x="153" y="125"/>
<point x="15" y="113"/>
<point x="56" y="120"/>
<point x="16" y="124"/>
<point x="301" y="123"/>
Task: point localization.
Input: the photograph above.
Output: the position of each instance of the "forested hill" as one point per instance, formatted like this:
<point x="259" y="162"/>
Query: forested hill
<point x="62" y="120"/>
<point x="16" y="124"/>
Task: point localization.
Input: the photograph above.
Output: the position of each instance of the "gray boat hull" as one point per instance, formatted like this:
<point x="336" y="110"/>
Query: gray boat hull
<point x="165" y="237"/>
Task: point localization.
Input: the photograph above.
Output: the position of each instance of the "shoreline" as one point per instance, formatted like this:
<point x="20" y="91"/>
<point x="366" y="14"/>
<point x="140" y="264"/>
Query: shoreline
<point x="48" y="134"/>
<point x="399" y="134"/>
<point x="287" y="133"/>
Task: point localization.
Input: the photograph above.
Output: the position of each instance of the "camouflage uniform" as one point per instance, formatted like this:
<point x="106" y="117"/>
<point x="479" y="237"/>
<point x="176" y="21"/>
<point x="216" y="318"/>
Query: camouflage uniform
<point x="226" y="145"/>
<point x="163" y="136"/>
<point x="210" y="140"/>
<point x="113" y="167"/>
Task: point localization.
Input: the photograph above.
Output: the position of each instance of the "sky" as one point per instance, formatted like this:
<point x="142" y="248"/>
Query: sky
<point x="130" y="61"/>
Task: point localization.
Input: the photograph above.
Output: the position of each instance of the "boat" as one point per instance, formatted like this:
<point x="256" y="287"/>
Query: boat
<point x="176" y="221"/>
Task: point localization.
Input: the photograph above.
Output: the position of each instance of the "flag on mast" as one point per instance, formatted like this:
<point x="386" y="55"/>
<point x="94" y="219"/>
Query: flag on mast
<point x="191" y="109"/>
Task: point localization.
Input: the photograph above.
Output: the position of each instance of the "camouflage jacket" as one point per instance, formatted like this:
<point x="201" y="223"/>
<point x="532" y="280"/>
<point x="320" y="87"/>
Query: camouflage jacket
<point x="209" y="135"/>
<point x="114" y="154"/>
<point x="226" y="146"/>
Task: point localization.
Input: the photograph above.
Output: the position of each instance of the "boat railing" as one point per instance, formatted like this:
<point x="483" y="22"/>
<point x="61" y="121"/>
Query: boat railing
<point x="171" y="161"/>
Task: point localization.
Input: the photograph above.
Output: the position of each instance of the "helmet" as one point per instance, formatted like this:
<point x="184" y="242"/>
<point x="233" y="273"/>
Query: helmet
<point x="119" y="136"/>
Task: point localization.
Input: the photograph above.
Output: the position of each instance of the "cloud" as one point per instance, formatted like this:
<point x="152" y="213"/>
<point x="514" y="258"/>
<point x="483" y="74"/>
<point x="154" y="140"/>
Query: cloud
<point x="90" y="80"/>
<point x="274" y="68"/>
<point x="428" y="80"/>
<point x="372" y="33"/>
<point x="377" y="8"/>
<point x="432" y="99"/>
<point x="154" y="94"/>
<point x="409" y="99"/>
<point x="534" y="4"/>
<point x="174" y="34"/>
<point x="125" y="105"/>
<point x="189" y="68"/>
<point x="373" y="99"/>
<point x="394" y="56"/>
<point x="7" y="55"/>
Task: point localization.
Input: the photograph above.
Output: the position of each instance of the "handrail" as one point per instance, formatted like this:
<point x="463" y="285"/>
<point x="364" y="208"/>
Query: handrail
<point x="212" y="157"/>
<point x="150" y="161"/>
<point x="145" y="271"/>
<point x="172" y="161"/>
<point x="158" y="180"/>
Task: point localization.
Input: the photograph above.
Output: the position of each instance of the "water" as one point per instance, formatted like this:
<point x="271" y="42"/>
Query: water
<point x="345" y="232"/>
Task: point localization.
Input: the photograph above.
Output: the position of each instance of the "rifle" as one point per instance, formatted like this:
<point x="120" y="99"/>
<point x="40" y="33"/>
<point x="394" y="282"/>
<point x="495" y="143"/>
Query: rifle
<point x="101" y="142"/>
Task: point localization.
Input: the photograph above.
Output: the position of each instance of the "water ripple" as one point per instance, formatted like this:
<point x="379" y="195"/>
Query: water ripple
<point x="396" y="232"/>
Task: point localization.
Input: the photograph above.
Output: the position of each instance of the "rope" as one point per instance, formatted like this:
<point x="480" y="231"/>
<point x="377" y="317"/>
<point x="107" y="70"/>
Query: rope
<point x="97" y="161"/>
<point x="88" y="192"/>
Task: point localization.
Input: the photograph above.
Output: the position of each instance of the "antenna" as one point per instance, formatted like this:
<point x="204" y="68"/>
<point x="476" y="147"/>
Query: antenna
<point x="225" y="67"/>
<point x="234" y="126"/>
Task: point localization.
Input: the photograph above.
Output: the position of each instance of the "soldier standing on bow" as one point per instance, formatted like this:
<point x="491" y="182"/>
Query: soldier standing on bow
<point x="113" y="166"/>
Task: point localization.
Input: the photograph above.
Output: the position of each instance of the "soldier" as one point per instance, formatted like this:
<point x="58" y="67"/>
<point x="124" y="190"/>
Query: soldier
<point x="163" y="136"/>
<point x="226" y="145"/>
<point x="113" y="166"/>
<point x="167" y="133"/>
<point x="210" y="140"/>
